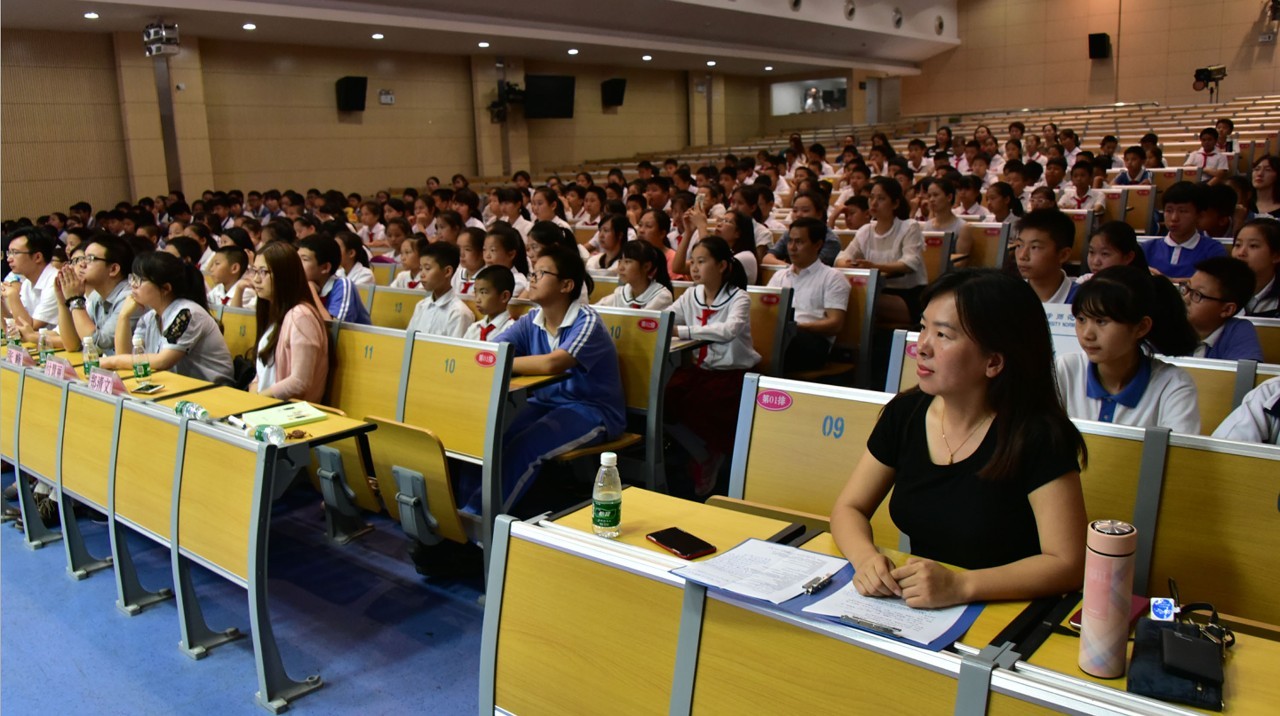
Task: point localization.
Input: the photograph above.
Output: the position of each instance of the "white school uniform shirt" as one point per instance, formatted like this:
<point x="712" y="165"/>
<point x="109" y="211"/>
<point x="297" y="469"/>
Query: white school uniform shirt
<point x="978" y="210"/>
<point x="783" y="186"/>
<point x="522" y="226"/>
<point x="654" y="298"/>
<point x="1063" y="294"/>
<point x="220" y="295"/>
<point x="903" y="242"/>
<point x="995" y="166"/>
<point x="817" y="288"/>
<point x="1070" y="156"/>
<point x="499" y="322"/>
<point x="360" y="275"/>
<point x="377" y="232"/>
<point x="405" y="280"/>
<point x="596" y="263"/>
<point x="763" y="236"/>
<point x="1038" y="157"/>
<point x="464" y="282"/>
<point x="588" y="221"/>
<point x="1072" y="200"/>
<point x="1261" y="301"/>
<point x="725" y="323"/>
<point x="1169" y="398"/>
<point x="447" y="315"/>
<point x="1257" y="419"/>
<point x="205" y="258"/>
<point x="916" y="168"/>
<point x="41" y="298"/>
<point x="474" y="222"/>
<point x="1208" y="161"/>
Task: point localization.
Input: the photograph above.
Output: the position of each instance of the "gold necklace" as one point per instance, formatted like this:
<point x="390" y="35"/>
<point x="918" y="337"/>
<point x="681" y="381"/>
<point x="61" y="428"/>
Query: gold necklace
<point x="951" y="454"/>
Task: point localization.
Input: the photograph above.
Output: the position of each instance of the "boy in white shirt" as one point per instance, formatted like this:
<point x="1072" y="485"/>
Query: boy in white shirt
<point x="1212" y="163"/>
<point x="493" y="289"/>
<point x="441" y="313"/>
<point x="969" y="195"/>
<point x="821" y="296"/>
<point x="33" y="301"/>
<point x="1081" y="196"/>
<point x="915" y="156"/>
<point x="226" y="269"/>
<point x="1043" y="247"/>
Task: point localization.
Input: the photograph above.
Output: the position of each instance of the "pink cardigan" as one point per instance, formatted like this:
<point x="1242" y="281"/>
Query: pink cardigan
<point x="302" y="356"/>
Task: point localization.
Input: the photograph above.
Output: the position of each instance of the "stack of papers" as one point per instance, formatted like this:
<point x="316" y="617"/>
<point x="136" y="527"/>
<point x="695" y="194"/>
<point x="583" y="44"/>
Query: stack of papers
<point x="286" y="416"/>
<point x="779" y="574"/>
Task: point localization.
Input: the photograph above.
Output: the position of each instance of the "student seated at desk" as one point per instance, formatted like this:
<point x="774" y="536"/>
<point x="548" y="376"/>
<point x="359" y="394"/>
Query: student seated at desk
<point x="493" y="288"/>
<point x="821" y="296"/>
<point x="612" y="233"/>
<point x="1043" y="248"/>
<point x="1214" y="294"/>
<point x="1123" y="314"/>
<point x="1258" y="245"/>
<point x="441" y="313"/>
<point x="336" y="296"/>
<point x="895" y="246"/>
<point x="92" y="292"/>
<point x="470" y="260"/>
<point x="981" y="458"/>
<point x="1115" y="243"/>
<point x="227" y="268"/>
<point x="1177" y="253"/>
<point x="177" y="331"/>
<point x="32" y="301"/>
<point x="1257" y="419"/>
<point x="642" y="279"/>
<point x="292" y="356"/>
<point x="702" y="399"/>
<point x="561" y="335"/>
<point x="410" y="258"/>
<point x="504" y="247"/>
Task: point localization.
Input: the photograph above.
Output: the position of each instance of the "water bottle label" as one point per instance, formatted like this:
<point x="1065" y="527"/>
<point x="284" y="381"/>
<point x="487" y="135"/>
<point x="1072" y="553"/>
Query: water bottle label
<point x="142" y="370"/>
<point x="606" y="514"/>
<point x="89" y="365"/>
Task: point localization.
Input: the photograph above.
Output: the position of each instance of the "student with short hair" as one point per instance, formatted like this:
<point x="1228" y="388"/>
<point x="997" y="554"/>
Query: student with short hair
<point x="1257" y="418"/>
<point x="1213" y="163"/>
<point x="467" y="203"/>
<point x="91" y="293"/>
<point x="1215" y="293"/>
<point x="493" y="290"/>
<point x="1055" y="170"/>
<point x="1080" y="195"/>
<point x="1185" y="245"/>
<point x="969" y="189"/>
<point x="820" y="299"/>
<point x="291" y="357"/>
<point x="982" y="461"/>
<point x="1135" y="172"/>
<point x="1123" y="316"/>
<point x="227" y="269"/>
<point x="178" y="333"/>
<point x="372" y="231"/>
<point x="1258" y="245"/>
<point x="1043" y="247"/>
<point x="1042" y="197"/>
<point x="411" y="259"/>
<point x="503" y="247"/>
<point x="336" y="297"/>
<point x="442" y="312"/>
<point x="33" y="302"/>
<point x="470" y="260"/>
<point x="805" y="203"/>
<point x="643" y="281"/>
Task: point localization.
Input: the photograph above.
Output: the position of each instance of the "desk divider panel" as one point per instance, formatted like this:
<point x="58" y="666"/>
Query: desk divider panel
<point x="39" y="416"/>
<point x="370" y="366"/>
<point x="92" y="421"/>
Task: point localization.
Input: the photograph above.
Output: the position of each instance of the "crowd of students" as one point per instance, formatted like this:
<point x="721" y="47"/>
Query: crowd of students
<point x="151" y="272"/>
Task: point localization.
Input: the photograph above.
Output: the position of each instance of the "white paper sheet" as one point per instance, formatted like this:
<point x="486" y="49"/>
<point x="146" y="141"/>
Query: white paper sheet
<point x="762" y="570"/>
<point x="888" y="615"/>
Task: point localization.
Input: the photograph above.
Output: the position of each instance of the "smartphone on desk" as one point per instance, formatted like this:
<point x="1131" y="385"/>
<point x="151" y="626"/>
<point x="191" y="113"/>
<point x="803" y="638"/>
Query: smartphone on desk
<point x="148" y="388"/>
<point x="681" y="543"/>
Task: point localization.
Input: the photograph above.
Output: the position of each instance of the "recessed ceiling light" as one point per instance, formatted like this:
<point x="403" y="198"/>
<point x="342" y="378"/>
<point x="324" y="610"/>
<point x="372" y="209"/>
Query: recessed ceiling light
<point x="91" y="16"/>
<point x="250" y="26"/>
<point x="482" y="45"/>
<point x="573" y="51"/>
<point x="711" y="63"/>
<point x="646" y="58"/>
<point x="378" y="36"/>
<point x="768" y="68"/>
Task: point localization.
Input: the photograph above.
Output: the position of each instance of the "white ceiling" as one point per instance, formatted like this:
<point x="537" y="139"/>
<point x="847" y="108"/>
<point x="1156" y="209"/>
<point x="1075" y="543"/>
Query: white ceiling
<point x="741" y="36"/>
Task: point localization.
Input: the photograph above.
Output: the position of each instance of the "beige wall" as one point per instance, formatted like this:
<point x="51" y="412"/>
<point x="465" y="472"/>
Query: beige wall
<point x="273" y="118"/>
<point x="62" y="139"/>
<point x="741" y="107"/>
<point x="1034" y="53"/>
<point x="653" y="117"/>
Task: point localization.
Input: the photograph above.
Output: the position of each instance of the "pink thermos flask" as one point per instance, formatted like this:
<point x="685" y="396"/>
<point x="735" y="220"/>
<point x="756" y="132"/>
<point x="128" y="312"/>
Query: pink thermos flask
<point x="1108" y="593"/>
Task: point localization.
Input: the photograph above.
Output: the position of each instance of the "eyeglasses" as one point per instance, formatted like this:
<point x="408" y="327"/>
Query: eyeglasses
<point x="135" y="281"/>
<point x="537" y="275"/>
<point x="84" y="260"/>
<point x="14" y="252"/>
<point x="1197" y="296"/>
<point x="254" y="272"/>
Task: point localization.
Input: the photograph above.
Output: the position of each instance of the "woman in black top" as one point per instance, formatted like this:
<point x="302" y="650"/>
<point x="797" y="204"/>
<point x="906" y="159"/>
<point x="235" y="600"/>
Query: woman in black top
<point x="981" y="458"/>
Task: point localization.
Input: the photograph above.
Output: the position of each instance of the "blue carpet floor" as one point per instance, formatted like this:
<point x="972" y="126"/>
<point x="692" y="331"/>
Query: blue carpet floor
<point x="384" y="639"/>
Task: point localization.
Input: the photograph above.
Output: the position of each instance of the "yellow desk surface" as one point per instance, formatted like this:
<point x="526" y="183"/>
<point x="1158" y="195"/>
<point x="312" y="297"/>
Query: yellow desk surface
<point x="644" y="512"/>
<point x="222" y="401"/>
<point x="1250" y="684"/>
<point x="334" y="427"/>
<point x="994" y="618"/>
<point x="679" y="345"/>
<point x="529" y="382"/>
<point x="173" y="383"/>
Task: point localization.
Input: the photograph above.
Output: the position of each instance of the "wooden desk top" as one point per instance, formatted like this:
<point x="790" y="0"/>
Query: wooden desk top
<point x="1250" y="685"/>
<point x="994" y="618"/>
<point x="222" y="401"/>
<point x="679" y="345"/>
<point x="334" y="427"/>
<point x="530" y="382"/>
<point x="174" y="385"/>
<point x="644" y="512"/>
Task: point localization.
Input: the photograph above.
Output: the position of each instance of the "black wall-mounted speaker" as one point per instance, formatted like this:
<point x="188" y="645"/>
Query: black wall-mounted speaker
<point x="612" y="91"/>
<point x="1099" y="46"/>
<point x="351" y="93"/>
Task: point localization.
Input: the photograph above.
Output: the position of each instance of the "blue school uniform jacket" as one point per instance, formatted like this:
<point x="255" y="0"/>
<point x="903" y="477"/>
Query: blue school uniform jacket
<point x="1238" y="340"/>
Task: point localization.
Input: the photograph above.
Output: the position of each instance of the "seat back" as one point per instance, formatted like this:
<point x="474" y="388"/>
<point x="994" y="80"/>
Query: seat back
<point x="220" y="483"/>
<point x="988" y="242"/>
<point x="365" y="292"/>
<point x="797" y="444"/>
<point x="938" y="247"/>
<point x="239" y="330"/>
<point x="396" y="444"/>
<point x="1219" y="531"/>
<point x="1215" y="387"/>
<point x="643" y="340"/>
<point x="771" y="316"/>
<point x="1110" y="480"/>
<point x="383" y="273"/>
<point x="902" y="362"/>
<point x="604" y="286"/>
<point x="393" y="307"/>
<point x="367" y="373"/>
<point x="1084" y="229"/>
<point x="1269" y="336"/>
<point x="457" y="389"/>
<point x="584" y="234"/>
<point x="88" y="431"/>
<point x="859" y="318"/>
<point x="142" y="476"/>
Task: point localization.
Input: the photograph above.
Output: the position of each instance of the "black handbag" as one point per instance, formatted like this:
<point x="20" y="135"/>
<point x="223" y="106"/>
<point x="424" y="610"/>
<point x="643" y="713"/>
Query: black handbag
<point x="1180" y="661"/>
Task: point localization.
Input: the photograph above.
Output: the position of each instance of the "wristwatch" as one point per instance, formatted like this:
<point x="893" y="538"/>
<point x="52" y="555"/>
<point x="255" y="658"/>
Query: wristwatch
<point x="75" y="302"/>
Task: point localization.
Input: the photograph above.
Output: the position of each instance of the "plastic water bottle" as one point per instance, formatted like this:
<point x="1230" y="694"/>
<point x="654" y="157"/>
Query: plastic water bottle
<point x="606" y="498"/>
<point x="141" y="363"/>
<point x="92" y="356"/>
<point x="273" y="434"/>
<point x="192" y="410"/>
<point x="44" y="348"/>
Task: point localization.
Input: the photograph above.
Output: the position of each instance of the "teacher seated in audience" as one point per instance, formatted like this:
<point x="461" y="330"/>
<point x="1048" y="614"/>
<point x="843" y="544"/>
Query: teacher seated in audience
<point x="981" y="457"/>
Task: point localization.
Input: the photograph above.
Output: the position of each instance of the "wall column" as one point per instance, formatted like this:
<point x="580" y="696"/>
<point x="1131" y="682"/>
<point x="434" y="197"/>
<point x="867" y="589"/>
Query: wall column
<point x="502" y="148"/>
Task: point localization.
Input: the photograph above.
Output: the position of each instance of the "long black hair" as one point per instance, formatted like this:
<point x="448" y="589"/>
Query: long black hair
<point x="720" y="252"/>
<point x="1127" y="294"/>
<point x="1003" y="315"/>
<point x="183" y="279"/>
<point x="1124" y="239"/>
<point x="644" y="252"/>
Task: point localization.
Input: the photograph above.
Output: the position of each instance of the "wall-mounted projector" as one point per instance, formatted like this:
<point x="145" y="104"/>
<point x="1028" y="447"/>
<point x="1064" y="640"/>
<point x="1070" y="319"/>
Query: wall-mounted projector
<point x="160" y="39"/>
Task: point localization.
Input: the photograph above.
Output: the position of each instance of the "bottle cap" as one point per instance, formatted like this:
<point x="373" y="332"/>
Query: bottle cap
<point x="609" y="459"/>
<point x="1112" y="537"/>
<point x="137" y="341"/>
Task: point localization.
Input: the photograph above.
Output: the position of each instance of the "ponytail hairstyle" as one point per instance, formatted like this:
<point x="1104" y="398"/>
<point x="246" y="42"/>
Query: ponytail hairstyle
<point x="733" y="274"/>
<point x="1006" y="191"/>
<point x="570" y="267"/>
<point x="1127" y="294"/>
<point x="1124" y="239"/>
<point x="183" y="279"/>
<point x="746" y="230"/>
<point x="891" y="187"/>
<point x="643" y="252"/>
<point x="1003" y="316"/>
<point x="289" y="288"/>
<point x="548" y="235"/>
<point x="351" y="241"/>
<point x="509" y="239"/>
<point x="551" y="197"/>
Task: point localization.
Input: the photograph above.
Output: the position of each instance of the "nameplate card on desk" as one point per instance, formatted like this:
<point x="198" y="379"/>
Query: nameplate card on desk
<point x="18" y="356"/>
<point x="59" y="368"/>
<point x="818" y="586"/>
<point x="1062" y="327"/>
<point x="106" y="382"/>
